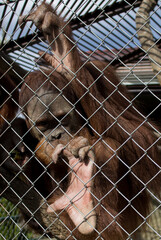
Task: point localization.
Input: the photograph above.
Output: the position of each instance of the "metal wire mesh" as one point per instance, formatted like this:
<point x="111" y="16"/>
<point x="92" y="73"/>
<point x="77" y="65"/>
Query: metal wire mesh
<point x="102" y="31"/>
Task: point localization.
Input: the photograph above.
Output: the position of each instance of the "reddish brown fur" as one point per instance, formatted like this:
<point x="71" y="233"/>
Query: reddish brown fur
<point x="8" y="107"/>
<point x="115" y="169"/>
<point x="127" y="158"/>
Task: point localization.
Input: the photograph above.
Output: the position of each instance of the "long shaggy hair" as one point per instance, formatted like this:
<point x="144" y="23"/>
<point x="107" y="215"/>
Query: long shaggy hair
<point x="127" y="157"/>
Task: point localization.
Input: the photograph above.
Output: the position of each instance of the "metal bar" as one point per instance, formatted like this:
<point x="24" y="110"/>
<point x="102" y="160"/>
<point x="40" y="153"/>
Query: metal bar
<point x="11" y="46"/>
<point x="21" y="12"/>
<point x="115" y="9"/>
<point x="34" y="3"/>
<point x="84" y="7"/>
<point x="120" y="40"/>
<point x="9" y="22"/>
<point x="64" y="7"/>
<point x="132" y="56"/>
<point x="8" y="2"/>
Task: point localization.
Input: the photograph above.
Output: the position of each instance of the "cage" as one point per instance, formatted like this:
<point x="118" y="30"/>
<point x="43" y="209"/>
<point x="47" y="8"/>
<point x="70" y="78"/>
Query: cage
<point x="100" y="137"/>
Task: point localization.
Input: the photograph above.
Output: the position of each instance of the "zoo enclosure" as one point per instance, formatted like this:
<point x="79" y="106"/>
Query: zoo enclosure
<point x="103" y="30"/>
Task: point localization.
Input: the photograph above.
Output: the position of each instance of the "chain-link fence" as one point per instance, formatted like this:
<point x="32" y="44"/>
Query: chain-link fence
<point x="80" y="120"/>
